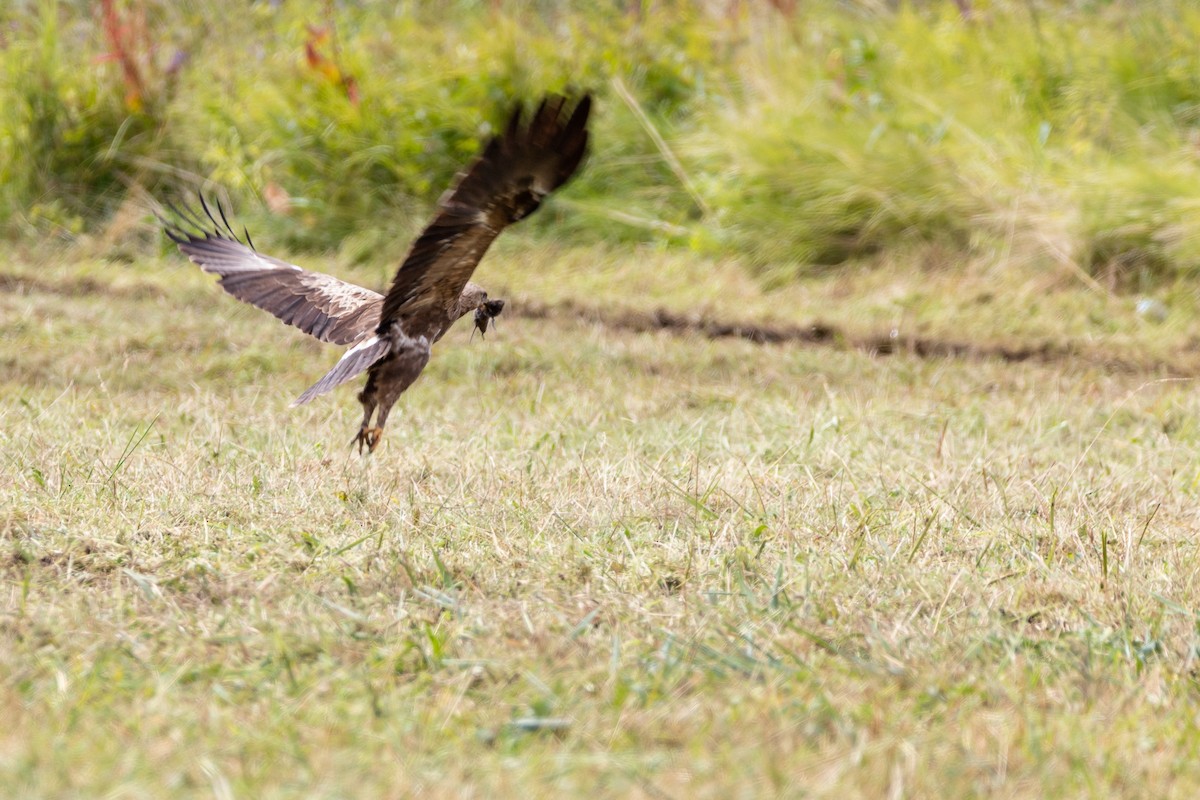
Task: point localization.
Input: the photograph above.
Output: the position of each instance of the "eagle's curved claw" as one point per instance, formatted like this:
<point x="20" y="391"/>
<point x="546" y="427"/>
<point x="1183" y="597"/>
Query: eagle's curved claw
<point x="368" y="436"/>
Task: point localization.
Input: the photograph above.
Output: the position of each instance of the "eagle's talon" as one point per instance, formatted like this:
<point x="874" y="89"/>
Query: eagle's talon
<point x="368" y="436"/>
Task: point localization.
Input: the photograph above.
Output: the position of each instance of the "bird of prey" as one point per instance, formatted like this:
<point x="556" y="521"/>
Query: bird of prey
<point x="391" y="335"/>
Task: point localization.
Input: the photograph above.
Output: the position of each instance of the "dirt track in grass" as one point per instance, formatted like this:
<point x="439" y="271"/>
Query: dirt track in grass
<point x="822" y="334"/>
<point x="1181" y="364"/>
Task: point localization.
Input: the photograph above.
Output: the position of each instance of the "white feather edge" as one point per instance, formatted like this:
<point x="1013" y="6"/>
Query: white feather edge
<point x="364" y="344"/>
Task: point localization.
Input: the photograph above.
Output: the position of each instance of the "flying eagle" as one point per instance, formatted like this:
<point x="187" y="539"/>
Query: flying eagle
<point x="391" y="335"/>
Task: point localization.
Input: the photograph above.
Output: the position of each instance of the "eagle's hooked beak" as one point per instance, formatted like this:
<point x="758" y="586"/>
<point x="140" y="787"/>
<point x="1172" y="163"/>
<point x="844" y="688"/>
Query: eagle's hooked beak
<point x="486" y="313"/>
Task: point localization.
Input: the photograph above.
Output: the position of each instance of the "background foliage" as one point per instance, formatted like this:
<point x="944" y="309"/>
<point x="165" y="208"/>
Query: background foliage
<point x="786" y="135"/>
<point x="819" y="452"/>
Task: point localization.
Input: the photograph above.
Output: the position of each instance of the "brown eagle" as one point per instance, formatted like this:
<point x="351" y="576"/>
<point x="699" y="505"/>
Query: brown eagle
<point x="391" y="335"/>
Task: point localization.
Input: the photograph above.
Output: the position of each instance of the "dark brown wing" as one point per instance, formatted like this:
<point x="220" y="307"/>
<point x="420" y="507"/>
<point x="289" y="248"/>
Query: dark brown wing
<point x="321" y="305"/>
<point x="506" y="183"/>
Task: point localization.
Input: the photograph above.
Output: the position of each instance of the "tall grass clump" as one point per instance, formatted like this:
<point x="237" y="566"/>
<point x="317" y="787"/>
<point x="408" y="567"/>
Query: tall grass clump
<point x="819" y="169"/>
<point x="1073" y="132"/>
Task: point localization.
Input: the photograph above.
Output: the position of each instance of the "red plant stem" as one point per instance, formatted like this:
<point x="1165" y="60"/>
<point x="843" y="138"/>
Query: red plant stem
<point x="116" y="39"/>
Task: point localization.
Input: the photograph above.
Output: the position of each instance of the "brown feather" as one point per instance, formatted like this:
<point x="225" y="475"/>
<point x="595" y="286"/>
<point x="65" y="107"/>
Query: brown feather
<point x="504" y="185"/>
<point x="332" y="310"/>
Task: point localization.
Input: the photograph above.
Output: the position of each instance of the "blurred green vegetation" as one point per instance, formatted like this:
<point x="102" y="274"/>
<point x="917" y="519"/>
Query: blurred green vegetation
<point x="788" y="136"/>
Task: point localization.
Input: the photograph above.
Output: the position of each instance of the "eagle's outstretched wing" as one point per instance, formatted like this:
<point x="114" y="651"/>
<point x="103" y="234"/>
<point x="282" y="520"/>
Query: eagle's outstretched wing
<point x="506" y="183"/>
<point x="321" y="305"/>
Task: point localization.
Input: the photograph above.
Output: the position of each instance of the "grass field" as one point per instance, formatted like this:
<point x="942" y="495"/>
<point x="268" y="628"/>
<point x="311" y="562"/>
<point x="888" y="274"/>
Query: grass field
<point x="936" y="537"/>
<point x="593" y="559"/>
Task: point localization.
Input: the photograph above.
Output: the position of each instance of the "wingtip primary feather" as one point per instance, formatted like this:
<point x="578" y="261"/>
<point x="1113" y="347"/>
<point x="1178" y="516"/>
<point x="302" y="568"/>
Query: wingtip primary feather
<point x="579" y="117"/>
<point x="220" y="234"/>
<point x="186" y="215"/>
<point x="225" y="222"/>
<point x="204" y="205"/>
<point x="189" y="227"/>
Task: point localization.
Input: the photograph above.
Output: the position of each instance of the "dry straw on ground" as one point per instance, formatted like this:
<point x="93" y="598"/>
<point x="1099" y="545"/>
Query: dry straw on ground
<point x="627" y="563"/>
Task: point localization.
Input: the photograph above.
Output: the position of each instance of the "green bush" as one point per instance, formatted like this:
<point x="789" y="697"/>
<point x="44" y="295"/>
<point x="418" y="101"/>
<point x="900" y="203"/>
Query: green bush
<point x="69" y="144"/>
<point x="1071" y="129"/>
<point x="427" y="95"/>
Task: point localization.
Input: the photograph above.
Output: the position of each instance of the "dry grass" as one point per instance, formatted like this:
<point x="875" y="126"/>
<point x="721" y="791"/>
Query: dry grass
<point x="587" y="560"/>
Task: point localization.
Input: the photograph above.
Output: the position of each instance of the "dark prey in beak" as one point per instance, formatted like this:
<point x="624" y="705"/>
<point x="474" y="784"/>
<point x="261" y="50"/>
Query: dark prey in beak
<point x="486" y="313"/>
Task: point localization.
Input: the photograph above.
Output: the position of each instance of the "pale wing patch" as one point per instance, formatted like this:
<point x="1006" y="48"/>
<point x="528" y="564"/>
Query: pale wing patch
<point x="355" y="361"/>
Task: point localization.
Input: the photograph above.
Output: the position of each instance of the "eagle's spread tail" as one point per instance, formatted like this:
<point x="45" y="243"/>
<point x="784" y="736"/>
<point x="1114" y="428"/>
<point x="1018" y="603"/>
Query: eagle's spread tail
<point x="356" y="360"/>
